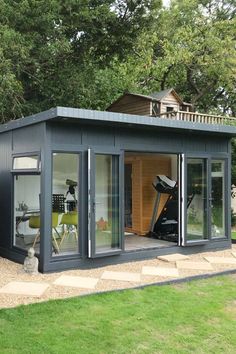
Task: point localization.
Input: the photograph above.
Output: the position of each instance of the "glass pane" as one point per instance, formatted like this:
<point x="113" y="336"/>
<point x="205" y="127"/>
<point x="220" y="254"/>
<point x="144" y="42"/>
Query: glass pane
<point x="196" y="199"/>
<point x="107" y="203"/>
<point x="65" y="231"/>
<point x="217" y="199"/>
<point x="25" y="163"/>
<point x="27" y="211"/>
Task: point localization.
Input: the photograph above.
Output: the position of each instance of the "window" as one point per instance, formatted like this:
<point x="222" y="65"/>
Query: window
<point x="169" y="109"/>
<point x="27" y="211"/>
<point x="107" y="213"/>
<point x="26" y="162"/>
<point x="218" y="189"/>
<point x="65" y="196"/>
<point x="155" y="109"/>
<point x="197" y="185"/>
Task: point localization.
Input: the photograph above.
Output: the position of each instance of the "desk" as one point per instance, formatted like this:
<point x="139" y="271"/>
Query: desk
<point x="23" y="216"/>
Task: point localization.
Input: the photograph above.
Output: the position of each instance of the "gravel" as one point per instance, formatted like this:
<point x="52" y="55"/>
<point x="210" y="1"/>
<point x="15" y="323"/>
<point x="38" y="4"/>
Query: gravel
<point x="11" y="271"/>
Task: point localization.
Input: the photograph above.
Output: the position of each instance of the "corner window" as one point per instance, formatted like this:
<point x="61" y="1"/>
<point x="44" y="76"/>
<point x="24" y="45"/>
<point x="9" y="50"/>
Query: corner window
<point x="27" y="211"/>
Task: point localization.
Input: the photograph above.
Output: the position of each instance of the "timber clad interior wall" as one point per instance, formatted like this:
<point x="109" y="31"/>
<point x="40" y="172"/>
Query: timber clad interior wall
<point x="144" y="169"/>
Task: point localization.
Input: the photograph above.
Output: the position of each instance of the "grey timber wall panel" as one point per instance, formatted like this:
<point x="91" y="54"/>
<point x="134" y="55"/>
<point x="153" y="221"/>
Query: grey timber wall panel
<point x="99" y="136"/>
<point x="148" y="139"/>
<point x="193" y="143"/>
<point x="6" y="189"/>
<point x="131" y="138"/>
<point x="28" y="138"/>
<point x="78" y="134"/>
<point x="217" y="145"/>
<point x="66" y="133"/>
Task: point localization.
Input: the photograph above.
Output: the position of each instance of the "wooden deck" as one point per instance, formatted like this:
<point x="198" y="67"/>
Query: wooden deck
<point x="195" y="117"/>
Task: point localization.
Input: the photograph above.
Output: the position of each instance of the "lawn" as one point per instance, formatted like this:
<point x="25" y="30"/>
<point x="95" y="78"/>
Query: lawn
<point x="194" y="317"/>
<point x="233" y="235"/>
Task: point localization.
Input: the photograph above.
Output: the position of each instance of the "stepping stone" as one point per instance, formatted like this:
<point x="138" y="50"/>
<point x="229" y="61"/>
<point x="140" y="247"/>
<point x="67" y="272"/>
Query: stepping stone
<point x="221" y="260"/>
<point x="173" y="257"/>
<point x="123" y="276"/>
<point x="194" y="265"/>
<point x="76" y="281"/>
<point x="24" y="288"/>
<point x="163" y="272"/>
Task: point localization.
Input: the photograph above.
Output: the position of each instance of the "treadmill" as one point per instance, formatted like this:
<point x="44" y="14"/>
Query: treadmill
<point x="165" y="227"/>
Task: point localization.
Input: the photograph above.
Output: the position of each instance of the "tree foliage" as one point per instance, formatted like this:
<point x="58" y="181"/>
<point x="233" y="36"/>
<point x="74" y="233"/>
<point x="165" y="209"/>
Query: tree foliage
<point x="52" y="51"/>
<point x="85" y="53"/>
<point x="193" y="50"/>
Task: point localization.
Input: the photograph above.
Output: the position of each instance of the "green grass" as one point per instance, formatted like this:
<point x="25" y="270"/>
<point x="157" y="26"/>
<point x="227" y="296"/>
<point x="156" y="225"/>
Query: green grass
<point x="233" y="235"/>
<point x="194" y="317"/>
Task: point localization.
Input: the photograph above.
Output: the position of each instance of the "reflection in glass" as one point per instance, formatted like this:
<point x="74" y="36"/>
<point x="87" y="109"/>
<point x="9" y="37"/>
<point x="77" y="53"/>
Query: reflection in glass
<point x="65" y="203"/>
<point x="196" y="199"/>
<point x="217" y="199"/>
<point x="27" y="211"/>
<point x="107" y="203"/>
<point x="25" y="162"/>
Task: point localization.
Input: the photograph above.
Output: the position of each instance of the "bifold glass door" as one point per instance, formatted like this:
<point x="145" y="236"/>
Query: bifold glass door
<point x="203" y="200"/>
<point x="218" y="196"/>
<point x="197" y="200"/>
<point x="104" y="204"/>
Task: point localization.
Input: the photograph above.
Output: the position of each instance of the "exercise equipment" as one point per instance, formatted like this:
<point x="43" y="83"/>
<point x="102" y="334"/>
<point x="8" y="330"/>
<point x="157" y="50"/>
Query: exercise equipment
<point x="165" y="227"/>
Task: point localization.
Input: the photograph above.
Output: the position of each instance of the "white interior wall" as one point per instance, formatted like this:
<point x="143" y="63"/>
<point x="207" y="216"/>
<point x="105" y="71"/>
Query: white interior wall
<point x="27" y="191"/>
<point x="65" y="166"/>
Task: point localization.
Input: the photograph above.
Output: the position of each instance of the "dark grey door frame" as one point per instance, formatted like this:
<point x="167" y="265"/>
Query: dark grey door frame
<point x="46" y="258"/>
<point x="183" y="205"/>
<point x="92" y="151"/>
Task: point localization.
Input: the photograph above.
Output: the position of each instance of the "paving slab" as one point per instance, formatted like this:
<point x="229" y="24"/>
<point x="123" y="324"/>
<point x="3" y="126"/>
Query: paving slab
<point x="24" y="288"/>
<point x="122" y="276"/>
<point x="173" y="257"/>
<point x="234" y="254"/>
<point x="76" y="281"/>
<point x="221" y="260"/>
<point x="194" y="265"/>
<point x="163" y="272"/>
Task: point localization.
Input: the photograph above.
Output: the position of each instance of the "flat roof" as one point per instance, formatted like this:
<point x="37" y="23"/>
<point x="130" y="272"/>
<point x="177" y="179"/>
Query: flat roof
<point x="114" y="119"/>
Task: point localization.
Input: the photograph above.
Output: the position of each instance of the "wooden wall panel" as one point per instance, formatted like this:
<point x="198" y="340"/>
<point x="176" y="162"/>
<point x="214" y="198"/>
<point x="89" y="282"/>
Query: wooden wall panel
<point x="144" y="170"/>
<point x="151" y="168"/>
<point x="132" y="105"/>
<point x="171" y="101"/>
<point x="136" y="196"/>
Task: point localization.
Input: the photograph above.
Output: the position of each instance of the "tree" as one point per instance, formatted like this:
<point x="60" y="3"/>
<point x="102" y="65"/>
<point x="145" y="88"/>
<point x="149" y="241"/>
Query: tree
<point x="85" y="53"/>
<point x="193" y="50"/>
<point x="63" y="47"/>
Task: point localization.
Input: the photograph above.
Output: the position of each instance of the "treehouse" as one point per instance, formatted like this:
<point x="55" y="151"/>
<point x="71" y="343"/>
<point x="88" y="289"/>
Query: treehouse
<point x="155" y="104"/>
<point x="164" y="104"/>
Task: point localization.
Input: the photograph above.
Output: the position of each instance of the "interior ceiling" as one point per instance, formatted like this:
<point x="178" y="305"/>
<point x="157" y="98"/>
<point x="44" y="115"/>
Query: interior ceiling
<point x="127" y="154"/>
